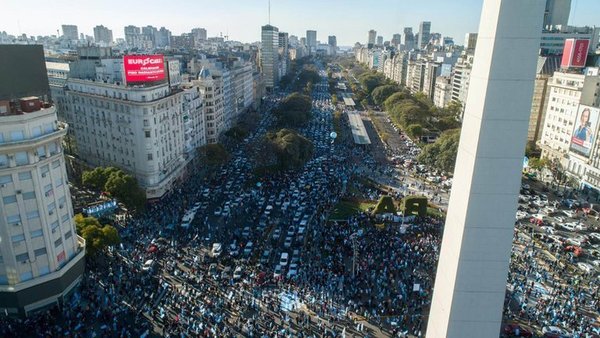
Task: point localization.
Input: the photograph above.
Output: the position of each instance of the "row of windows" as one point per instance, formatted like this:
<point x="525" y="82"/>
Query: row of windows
<point x="23" y="158"/>
<point x="19" y="135"/>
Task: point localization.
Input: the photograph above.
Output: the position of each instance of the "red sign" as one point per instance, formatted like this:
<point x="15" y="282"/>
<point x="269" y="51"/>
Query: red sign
<point x="144" y="68"/>
<point x="575" y="53"/>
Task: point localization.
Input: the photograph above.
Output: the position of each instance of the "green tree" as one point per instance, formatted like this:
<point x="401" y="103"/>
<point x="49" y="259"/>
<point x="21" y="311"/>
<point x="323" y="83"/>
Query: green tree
<point x="454" y="108"/>
<point x="394" y="99"/>
<point x="370" y="81"/>
<point x="96" y="179"/>
<point x="531" y="149"/>
<point x="125" y="188"/>
<point x="382" y="93"/>
<point x="538" y="163"/>
<point x="442" y="153"/>
<point x="212" y="155"/>
<point x="292" y="149"/>
<point x="237" y="133"/>
<point x="97" y="237"/>
<point x="294" y="110"/>
<point x="415" y="131"/>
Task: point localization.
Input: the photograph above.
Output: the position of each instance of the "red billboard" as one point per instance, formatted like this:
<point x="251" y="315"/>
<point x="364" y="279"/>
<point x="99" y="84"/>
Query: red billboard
<point x="144" y="68"/>
<point x="575" y="53"/>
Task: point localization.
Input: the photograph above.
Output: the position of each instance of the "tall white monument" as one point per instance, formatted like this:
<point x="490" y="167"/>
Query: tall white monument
<point x="471" y="277"/>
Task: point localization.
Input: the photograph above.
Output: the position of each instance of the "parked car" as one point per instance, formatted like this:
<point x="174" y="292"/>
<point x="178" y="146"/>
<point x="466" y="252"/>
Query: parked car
<point x="216" y="250"/>
<point x="283" y="260"/>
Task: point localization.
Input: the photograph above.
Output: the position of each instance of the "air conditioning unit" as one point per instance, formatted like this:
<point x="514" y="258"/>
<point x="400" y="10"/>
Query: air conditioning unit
<point x="44" y="175"/>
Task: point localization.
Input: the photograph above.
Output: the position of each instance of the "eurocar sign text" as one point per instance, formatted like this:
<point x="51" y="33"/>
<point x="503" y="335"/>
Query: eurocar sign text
<point x="144" y="68"/>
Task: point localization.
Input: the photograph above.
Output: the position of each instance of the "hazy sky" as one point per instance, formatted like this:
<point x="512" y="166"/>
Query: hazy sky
<point x="349" y="20"/>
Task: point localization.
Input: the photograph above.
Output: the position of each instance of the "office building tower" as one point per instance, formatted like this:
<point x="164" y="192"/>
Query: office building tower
<point x="470" y="41"/>
<point x="269" y="56"/>
<point x="408" y="39"/>
<point x="311" y="41"/>
<point x="470" y="286"/>
<point x="199" y="34"/>
<point x="103" y="35"/>
<point x="556" y="13"/>
<point x="133" y="36"/>
<point x="379" y="40"/>
<point x="332" y="41"/>
<point x="396" y="40"/>
<point x="283" y="54"/>
<point x="163" y="38"/>
<point x="371" y="38"/>
<point x="70" y="32"/>
<point x="424" y="34"/>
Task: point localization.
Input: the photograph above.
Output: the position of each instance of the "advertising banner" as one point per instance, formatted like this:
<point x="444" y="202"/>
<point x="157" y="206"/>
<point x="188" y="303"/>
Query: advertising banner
<point x="586" y="127"/>
<point x="575" y="53"/>
<point x="144" y="68"/>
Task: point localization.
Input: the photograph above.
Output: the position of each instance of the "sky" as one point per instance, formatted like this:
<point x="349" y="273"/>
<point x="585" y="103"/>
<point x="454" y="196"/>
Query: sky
<point x="349" y="20"/>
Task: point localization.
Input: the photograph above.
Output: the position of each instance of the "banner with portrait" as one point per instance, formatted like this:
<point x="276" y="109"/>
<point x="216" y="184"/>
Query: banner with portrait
<point x="585" y="129"/>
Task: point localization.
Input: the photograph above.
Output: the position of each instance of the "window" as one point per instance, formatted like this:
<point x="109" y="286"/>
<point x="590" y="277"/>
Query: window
<point x="48" y="190"/>
<point x="52" y="148"/>
<point x="17" y="238"/>
<point x="3" y="161"/>
<point x="28" y="195"/>
<point x="48" y="128"/>
<point x="33" y="214"/>
<point x="64" y="218"/>
<point x="25" y="276"/>
<point x="44" y="270"/>
<point x="69" y="234"/>
<point x="147" y="132"/>
<point x="3" y="280"/>
<point x="9" y="199"/>
<point x="22" y="257"/>
<point x="13" y="219"/>
<point x="51" y="207"/>
<point x="149" y="156"/>
<point x="45" y="169"/>
<point x="24" y="176"/>
<point x="41" y="151"/>
<point x="17" y="135"/>
<point x="5" y="179"/>
<point x="36" y="233"/>
<point x="21" y="158"/>
<point x="36" y="131"/>
<point x="1" y="138"/>
<point x="55" y="164"/>
<point x="58" y="242"/>
<point x="59" y="182"/>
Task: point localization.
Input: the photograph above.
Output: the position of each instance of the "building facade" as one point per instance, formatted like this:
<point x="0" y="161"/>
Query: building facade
<point x="103" y="35"/>
<point x="41" y="256"/>
<point x="269" y="56"/>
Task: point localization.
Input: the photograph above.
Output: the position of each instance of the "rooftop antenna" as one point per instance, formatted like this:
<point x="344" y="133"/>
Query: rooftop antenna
<point x="269" y="12"/>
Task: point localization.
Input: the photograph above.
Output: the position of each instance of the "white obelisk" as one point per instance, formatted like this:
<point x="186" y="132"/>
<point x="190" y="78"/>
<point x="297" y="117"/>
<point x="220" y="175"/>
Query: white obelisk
<point x="471" y="277"/>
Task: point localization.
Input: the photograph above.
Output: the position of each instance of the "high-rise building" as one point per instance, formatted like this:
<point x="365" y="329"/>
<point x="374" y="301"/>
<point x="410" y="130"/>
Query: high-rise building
<point x="557" y="13"/>
<point x="396" y="39"/>
<point x="149" y="37"/>
<point x="283" y="54"/>
<point x="408" y="39"/>
<point x="133" y="36"/>
<point x="103" y="35"/>
<point x="311" y="41"/>
<point x="269" y="56"/>
<point x="200" y="34"/>
<point x="371" y="39"/>
<point x="424" y="34"/>
<point x="470" y="41"/>
<point x="70" y="32"/>
<point x="332" y="40"/>
<point x="379" y="40"/>
<point x="41" y="256"/>
<point x="163" y="38"/>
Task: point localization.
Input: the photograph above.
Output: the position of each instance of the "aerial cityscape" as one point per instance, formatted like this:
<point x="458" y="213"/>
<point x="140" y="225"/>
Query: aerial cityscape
<point x="408" y="184"/>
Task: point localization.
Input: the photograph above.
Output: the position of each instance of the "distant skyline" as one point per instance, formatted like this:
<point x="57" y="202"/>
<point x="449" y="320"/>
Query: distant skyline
<point x="349" y="20"/>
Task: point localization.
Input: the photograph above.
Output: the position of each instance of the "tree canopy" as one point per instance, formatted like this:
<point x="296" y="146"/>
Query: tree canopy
<point x="371" y="80"/>
<point x="382" y="93"/>
<point x="212" y="155"/>
<point x="237" y="133"/>
<point x="294" y="110"/>
<point x="292" y="150"/>
<point x="97" y="237"/>
<point x="442" y="153"/>
<point x="118" y="184"/>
